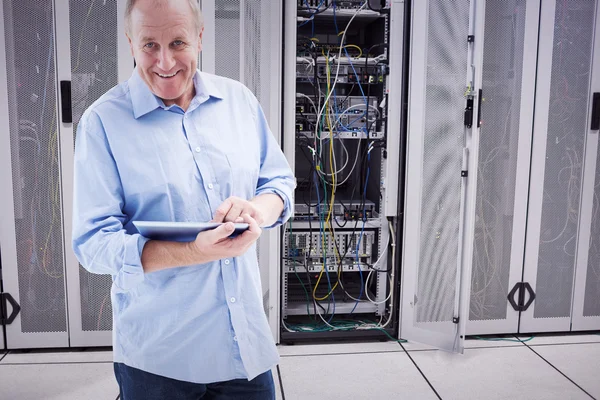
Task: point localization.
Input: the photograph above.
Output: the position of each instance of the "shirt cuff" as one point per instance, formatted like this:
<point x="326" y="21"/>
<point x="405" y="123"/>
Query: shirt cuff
<point x="132" y="272"/>
<point x="287" y="206"/>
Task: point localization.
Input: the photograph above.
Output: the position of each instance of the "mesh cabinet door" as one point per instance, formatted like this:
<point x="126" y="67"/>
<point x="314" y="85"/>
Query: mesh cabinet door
<point x="586" y="301"/>
<point x="90" y="49"/>
<point x="561" y="127"/>
<point x="31" y="209"/>
<point x="508" y="87"/>
<point x="436" y="212"/>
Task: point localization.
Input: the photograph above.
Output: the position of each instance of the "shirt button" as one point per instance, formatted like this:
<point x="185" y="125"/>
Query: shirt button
<point x="235" y="338"/>
<point x="197" y="149"/>
<point x="232" y="299"/>
<point x="226" y="262"/>
<point x="210" y="185"/>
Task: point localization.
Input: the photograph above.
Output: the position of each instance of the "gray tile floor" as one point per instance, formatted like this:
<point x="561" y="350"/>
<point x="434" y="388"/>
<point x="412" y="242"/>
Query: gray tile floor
<point x="557" y="367"/>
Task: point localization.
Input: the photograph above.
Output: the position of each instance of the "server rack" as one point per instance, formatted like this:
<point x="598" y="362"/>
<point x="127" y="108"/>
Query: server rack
<point x="342" y="137"/>
<point x="560" y="248"/>
<point x="523" y="229"/>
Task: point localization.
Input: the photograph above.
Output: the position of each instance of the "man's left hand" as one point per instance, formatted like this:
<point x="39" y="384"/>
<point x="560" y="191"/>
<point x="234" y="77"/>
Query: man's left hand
<point x="232" y="209"/>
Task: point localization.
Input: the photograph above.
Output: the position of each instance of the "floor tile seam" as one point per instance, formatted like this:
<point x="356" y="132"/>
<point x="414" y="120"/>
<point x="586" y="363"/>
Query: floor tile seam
<point x="421" y="372"/>
<point x="281" y="389"/>
<point x="560" y="372"/>
<point x="339" y="354"/>
<point x="559" y="344"/>
<point x="55" y="363"/>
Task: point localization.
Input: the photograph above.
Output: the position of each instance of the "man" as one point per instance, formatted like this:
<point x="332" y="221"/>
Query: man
<point x="175" y="144"/>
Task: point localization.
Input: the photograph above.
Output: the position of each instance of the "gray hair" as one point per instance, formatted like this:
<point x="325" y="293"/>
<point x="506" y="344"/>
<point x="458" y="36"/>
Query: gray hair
<point x="196" y="12"/>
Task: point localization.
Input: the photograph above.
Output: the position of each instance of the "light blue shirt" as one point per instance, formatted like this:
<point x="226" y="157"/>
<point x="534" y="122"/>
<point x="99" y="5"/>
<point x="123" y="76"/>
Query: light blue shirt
<point x="137" y="159"/>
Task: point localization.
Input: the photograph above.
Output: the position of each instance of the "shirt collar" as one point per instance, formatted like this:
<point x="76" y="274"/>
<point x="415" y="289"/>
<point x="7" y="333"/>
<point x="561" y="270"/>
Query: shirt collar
<point x="144" y="101"/>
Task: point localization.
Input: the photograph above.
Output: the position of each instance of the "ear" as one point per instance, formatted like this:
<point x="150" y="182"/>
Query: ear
<point x="130" y="44"/>
<point x="200" y="40"/>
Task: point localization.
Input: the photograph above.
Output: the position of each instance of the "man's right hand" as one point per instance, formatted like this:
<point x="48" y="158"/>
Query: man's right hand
<point x="209" y="246"/>
<point x="216" y="244"/>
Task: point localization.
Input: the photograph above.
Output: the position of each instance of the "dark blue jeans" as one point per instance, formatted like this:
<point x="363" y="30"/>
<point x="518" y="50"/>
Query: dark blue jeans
<point x="135" y="384"/>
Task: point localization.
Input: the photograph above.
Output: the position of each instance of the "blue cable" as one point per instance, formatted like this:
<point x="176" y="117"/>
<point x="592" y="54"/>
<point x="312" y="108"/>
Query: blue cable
<point x="312" y="17"/>
<point x="364" y="221"/>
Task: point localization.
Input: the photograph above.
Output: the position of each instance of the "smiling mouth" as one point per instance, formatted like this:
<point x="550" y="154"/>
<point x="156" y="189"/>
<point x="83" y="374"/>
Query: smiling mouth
<point x="167" y="76"/>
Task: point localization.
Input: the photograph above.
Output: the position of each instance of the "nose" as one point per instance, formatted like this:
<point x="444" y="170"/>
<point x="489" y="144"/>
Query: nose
<point x="165" y="61"/>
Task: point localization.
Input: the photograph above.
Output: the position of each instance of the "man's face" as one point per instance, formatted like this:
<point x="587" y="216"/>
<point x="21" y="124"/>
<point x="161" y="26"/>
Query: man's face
<point x="165" y="42"/>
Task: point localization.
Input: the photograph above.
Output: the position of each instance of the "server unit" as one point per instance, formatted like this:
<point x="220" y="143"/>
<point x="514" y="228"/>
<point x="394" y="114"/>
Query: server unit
<point x="502" y="170"/>
<point x="534" y="250"/>
<point x="342" y="108"/>
<point x="561" y="253"/>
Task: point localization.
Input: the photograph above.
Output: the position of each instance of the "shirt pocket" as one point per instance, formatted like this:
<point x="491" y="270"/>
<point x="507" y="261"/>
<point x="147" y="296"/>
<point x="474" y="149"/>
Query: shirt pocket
<point x="243" y="174"/>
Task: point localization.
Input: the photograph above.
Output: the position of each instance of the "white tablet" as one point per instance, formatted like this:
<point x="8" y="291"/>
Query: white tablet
<point x="179" y="231"/>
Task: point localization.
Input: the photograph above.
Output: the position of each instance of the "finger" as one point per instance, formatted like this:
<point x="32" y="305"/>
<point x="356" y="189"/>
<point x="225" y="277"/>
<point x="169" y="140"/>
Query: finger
<point x="238" y="220"/>
<point x="222" y="211"/>
<point x="219" y="233"/>
<point x="252" y="225"/>
<point x="235" y="211"/>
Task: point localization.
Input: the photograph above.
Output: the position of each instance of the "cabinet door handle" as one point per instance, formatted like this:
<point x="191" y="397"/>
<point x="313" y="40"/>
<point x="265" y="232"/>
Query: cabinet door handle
<point x="595" y="124"/>
<point x="65" y="102"/>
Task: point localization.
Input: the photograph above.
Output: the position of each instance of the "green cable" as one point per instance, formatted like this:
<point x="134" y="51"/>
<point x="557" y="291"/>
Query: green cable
<point x="504" y="339"/>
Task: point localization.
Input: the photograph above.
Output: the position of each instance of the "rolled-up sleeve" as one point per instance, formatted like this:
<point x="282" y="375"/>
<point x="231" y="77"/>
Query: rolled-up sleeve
<point x="275" y="175"/>
<point x="99" y="240"/>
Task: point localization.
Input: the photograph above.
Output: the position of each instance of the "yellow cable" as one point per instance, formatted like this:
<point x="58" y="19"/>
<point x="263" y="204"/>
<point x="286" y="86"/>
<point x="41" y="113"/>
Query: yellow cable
<point x="327" y="221"/>
<point x="354" y="47"/>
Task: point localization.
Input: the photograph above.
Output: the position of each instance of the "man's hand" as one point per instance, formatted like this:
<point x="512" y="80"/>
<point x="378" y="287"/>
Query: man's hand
<point x="233" y="208"/>
<point x="216" y="244"/>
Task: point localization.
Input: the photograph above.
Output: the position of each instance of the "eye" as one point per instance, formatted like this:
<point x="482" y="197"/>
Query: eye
<point x="178" y="43"/>
<point x="149" y="45"/>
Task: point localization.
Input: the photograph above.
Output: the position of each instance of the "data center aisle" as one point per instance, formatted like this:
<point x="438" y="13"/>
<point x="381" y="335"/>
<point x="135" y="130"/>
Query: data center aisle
<point x="557" y="367"/>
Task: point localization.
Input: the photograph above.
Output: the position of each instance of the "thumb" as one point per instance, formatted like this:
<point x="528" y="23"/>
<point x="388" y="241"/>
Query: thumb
<point x="221" y="232"/>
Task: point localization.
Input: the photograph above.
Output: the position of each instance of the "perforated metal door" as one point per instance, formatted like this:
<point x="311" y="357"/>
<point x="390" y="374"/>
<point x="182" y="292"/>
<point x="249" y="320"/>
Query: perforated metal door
<point x="32" y="220"/>
<point x="94" y="70"/>
<point x="586" y="299"/>
<point x="562" y="103"/>
<point x="510" y="35"/>
<point x="227" y="38"/>
<point x="436" y="139"/>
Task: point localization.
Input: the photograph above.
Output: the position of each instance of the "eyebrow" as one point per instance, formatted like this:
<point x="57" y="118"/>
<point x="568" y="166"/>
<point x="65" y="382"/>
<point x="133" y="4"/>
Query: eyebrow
<point x="151" y="39"/>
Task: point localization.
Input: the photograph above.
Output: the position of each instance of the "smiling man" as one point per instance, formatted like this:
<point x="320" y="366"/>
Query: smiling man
<point x="175" y="144"/>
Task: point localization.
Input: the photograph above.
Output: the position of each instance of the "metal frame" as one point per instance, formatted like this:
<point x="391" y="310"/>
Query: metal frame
<point x="395" y="107"/>
<point x="7" y="227"/>
<point x="510" y="323"/>
<point x="388" y="168"/>
<point x="209" y="48"/>
<point x="579" y="321"/>
<point x="125" y="58"/>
